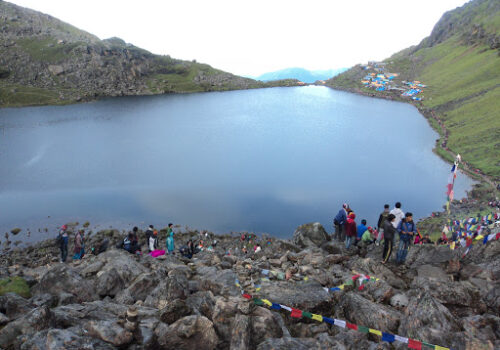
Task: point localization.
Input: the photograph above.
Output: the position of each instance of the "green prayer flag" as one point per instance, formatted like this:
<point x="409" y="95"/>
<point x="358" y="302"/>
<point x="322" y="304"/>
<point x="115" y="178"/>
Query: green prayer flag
<point x="349" y="283"/>
<point x="430" y="346"/>
<point x="307" y="314"/>
<point x="258" y="301"/>
<point x="363" y="329"/>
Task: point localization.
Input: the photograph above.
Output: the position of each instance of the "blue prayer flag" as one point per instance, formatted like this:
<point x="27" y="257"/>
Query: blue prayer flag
<point x="275" y="306"/>
<point x="388" y="337"/>
<point x="328" y="320"/>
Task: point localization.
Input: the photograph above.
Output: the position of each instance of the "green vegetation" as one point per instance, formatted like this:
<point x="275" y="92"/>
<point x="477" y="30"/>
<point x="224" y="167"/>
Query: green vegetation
<point x="19" y="95"/>
<point x="46" y="49"/>
<point x="460" y="64"/>
<point x="15" y="285"/>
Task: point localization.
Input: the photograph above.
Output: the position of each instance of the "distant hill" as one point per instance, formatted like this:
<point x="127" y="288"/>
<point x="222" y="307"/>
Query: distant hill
<point x="304" y="75"/>
<point x="460" y="64"/>
<point x="46" y="61"/>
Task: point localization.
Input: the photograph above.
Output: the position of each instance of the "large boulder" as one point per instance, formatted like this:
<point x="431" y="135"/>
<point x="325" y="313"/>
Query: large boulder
<point x="59" y="339"/>
<point x="358" y="310"/>
<point x="110" y="332"/>
<point x="191" y="332"/>
<point x="309" y="235"/>
<point x="427" y="319"/>
<point x="461" y="293"/>
<point x="64" y="281"/>
<point x="289" y="343"/>
<point x="36" y="320"/>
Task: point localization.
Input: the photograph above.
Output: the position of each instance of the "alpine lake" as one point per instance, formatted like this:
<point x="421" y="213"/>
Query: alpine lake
<point x="263" y="161"/>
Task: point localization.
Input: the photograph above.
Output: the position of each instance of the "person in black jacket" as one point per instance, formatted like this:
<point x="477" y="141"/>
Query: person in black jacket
<point x="389" y="233"/>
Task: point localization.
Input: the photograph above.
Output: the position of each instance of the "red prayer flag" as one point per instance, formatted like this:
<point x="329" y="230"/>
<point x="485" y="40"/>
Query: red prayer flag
<point x="497" y="236"/>
<point x="247" y="296"/>
<point x="296" y="313"/>
<point x="355" y="277"/>
<point x="351" y="326"/>
<point x="414" y="344"/>
<point x="361" y="287"/>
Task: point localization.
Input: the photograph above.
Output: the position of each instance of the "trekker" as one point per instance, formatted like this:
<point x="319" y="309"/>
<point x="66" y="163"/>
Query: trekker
<point x="350" y="230"/>
<point x="62" y="239"/>
<point x="79" y="246"/>
<point x="339" y="222"/>
<point x="170" y="239"/>
<point x="361" y="229"/>
<point x="407" y="230"/>
<point x="149" y="233"/>
<point x="427" y="239"/>
<point x="367" y="237"/>
<point x="398" y="213"/>
<point x="389" y="233"/>
<point x="153" y="241"/>
<point x="380" y="225"/>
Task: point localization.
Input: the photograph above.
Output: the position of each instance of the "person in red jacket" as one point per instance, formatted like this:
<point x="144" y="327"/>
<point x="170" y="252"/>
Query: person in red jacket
<point x="350" y="230"/>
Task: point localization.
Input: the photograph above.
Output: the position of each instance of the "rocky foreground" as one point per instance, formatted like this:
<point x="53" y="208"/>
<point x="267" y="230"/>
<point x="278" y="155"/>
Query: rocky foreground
<point x="117" y="300"/>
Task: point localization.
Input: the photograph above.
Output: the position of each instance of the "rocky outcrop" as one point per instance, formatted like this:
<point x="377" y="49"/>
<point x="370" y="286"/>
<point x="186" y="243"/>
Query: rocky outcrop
<point x="117" y="300"/>
<point x="309" y="235"/>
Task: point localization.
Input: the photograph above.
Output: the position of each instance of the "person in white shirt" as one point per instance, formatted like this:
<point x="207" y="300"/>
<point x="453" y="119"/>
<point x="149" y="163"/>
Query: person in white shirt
<point x="398" y="213"/>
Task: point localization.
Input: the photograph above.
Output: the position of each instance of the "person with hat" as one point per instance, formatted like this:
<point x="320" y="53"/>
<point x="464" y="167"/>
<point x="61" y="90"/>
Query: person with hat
<point x="62" y="239"/>
<point x="350" y="230"/>
<point x="153" y="241"/>
<point x="339" y="222"/>
<point x="407" y="230"/>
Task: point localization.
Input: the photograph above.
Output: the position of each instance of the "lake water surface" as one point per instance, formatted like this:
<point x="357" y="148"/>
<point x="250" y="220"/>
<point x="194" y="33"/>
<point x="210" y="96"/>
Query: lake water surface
<point x="262" y="160"/>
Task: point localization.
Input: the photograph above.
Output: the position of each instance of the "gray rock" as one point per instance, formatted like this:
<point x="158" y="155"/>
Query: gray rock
<point x="63" y="339"/>
<point x="64" y="279"/>
<point x="174" y="310"/>
<point x="289" y="343"/>
<point x="427" y="319"/>
<point x="13" y="305"/>
<point x="241" y="333"/>
<point x="36" y="320"/>
<point x="110" y="332"/>
<point x="110" y="283"/>
<point x="191" y="332"/>
<point x="308" y="235"/>
<point x="358" y="310"/>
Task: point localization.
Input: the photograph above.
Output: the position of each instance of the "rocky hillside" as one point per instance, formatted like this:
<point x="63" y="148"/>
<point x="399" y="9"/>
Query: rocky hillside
<point x="46" y="61"/>
<point x="117" y="300"/>
<point x="460" y="65"/>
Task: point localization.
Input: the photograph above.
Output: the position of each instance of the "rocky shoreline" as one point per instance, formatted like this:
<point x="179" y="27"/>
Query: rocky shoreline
<point x="117" y="300"/>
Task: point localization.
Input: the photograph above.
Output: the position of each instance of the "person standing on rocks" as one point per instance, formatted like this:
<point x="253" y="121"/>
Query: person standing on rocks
<point x="170" y="239"/>
<point x="350" y="230"/>
<point x="62" y="239"/>
<point x="79" y="249"/>
<point x="407" y="230"/>
<point x="360" y="231"/>
<point x="339" y="222"/>
<point x="398" y="213"/>
<point x="389" y="233"/>
<point x="149" y="233"/>
<point x="380" y="225"/>
<point x="153" y="241"/>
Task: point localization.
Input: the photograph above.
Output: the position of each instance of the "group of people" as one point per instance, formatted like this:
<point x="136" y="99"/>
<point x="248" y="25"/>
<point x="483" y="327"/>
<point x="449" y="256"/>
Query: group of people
<point x="63" y="240"/>
<point x="389" y="223"/>
<point x="131" y="241"/>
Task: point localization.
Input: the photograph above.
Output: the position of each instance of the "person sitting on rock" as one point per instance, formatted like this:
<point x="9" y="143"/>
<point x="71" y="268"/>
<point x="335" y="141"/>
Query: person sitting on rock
<point x="389" y="232"/>
<point x="350" y="230"/>
<point x="368" y="237"/>
<point x="361" y="229"/>
<point x="426" y="239"/>
<point x="149" y="233"/>
<point x="257" y="248"/>
<point x="127" y="242"/>
<point x="443" y="239"/>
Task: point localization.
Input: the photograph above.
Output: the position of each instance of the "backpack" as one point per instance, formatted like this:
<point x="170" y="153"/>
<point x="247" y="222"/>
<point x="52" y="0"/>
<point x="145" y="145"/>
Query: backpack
<point x="59" y="239"/>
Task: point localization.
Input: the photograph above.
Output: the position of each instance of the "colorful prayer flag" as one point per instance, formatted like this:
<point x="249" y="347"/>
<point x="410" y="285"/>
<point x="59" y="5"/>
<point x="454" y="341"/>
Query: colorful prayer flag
<point x="296" y="313"/>
<point x="388" y="337"/>
<point x="414" y="344"/>
<point x="328" y="320"/>
<point x="339" y="323"/>
<point x="317" y="317"/>
<point x="351" y="326"/>
<point x="363" y="329"/>
<point x="374" y="331"/>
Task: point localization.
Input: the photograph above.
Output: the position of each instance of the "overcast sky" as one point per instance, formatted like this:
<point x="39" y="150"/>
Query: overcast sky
<point x="258" y="36"/>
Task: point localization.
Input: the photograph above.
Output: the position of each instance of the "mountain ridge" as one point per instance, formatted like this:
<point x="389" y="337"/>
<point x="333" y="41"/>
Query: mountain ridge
<point x="459" y="62"/>
<point x="302" y="74"/>
<point x="46" y="61"/>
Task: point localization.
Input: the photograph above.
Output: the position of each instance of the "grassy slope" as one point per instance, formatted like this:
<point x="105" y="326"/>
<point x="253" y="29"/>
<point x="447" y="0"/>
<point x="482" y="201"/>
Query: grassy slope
<point x="463" y="88"/>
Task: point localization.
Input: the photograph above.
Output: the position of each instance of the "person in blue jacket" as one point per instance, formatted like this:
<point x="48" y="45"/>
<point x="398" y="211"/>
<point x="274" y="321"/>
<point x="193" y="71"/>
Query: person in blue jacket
<point x="407" y="231"/>
<point x="339" y="222"/>
<point x="360" y="231"/>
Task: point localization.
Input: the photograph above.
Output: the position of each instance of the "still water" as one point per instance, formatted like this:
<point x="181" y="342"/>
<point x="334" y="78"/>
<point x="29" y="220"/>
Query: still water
<point x="262" y="160"/>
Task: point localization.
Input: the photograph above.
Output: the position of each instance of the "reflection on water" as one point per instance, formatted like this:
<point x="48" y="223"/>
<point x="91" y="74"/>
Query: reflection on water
<point x="261" y="160"/>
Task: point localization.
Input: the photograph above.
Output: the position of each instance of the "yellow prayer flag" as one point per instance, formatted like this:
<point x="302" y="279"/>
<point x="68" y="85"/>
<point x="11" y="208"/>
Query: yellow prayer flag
<point x="479" y="237"/>
<point x="452" y="245"/>
<point x="267" y="302"/>
<point x="374" y="331"/>
<point x="317" y="317"/>
<point x="257" y="289"/>
<point x="437" y="347"/>
<point x="342" y="287"/>
<point x="306" y="278"/>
